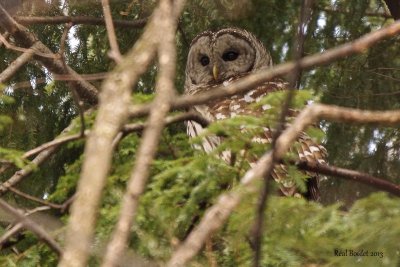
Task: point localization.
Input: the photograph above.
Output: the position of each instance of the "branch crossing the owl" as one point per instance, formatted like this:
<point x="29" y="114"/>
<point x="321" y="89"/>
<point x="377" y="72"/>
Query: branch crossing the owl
<point x="222" y="57"/>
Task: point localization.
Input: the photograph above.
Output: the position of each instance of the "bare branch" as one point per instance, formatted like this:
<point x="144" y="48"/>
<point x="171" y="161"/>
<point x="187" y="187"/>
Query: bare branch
<point x="113" y="112"/>
<point x="114" y="53"/>
<point x="27" y="170"/>
<point x="252" y="80"/>
<point x="63" y="41"/>
<point x="32" y="226"/>
<point x="26" y="39"/>
<point x="74" y="92"/>
<point x="24" y="50"/>
<point x="165" y="92"/>
<point x="56" y="142"/>
<point x="352" y="175"/>
<point x="190" y="115"/>
<point x="138" y="24"/>
<point x="17" y="228"/>
<point x="72" y="77"/>
<point x="35" y="199"/>
<point x="17" y="64"/>
<point x="126" y="129"/>
<point x="86" y="77"/>
<point x="45" y="151"/>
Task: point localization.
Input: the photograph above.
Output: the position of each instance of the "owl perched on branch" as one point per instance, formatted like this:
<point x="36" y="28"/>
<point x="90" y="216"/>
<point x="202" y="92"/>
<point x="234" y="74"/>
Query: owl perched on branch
<point x="221" y="57"/>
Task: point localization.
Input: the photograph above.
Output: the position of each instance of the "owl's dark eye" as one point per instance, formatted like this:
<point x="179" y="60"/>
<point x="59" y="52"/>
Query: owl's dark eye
<point x="230" y="56"/>
<point x="204" y="60"/>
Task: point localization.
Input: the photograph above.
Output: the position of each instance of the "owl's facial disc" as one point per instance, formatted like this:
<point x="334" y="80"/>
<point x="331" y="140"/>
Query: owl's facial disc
<point x="215" y="58"/>
<point x="232" y="55"/>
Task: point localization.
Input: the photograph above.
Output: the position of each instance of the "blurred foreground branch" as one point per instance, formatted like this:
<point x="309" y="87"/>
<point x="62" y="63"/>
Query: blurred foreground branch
<point x="165" y="92"/>
<point x="113" y="111"/>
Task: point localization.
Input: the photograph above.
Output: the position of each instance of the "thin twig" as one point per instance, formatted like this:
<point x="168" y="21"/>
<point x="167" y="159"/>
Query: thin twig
<point x="126" y="129"/>
<point x="74" y="93"/>
<point x="45" y="151"/>
<point x="57" y="77"/>
<point x="8" y="73"/>
<point x="138" y="24"/>
<point x="115" y="54"/>
<point x="35" y="199"/>
<point x="165" y="92"/>
<point x="86" y="77"/>
<point x="32" y="226"/>
<point x="56" y="142"/>
<point x="63" y="40"/>
<point x="352" y="175"/>
<point x="26" y="39"/>
<point x="186" y="116"/>
<point x="17" y="228"/>
<point x="27" y="170"/>
<point x="24" y="50"/>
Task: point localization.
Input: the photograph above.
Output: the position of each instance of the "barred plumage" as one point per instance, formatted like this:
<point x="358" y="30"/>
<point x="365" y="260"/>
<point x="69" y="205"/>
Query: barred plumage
<point x="221" y="57"/>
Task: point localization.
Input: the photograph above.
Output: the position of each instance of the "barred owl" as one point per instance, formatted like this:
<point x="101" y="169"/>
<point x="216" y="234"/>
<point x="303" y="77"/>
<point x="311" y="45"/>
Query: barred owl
<point x="221" y="57"/>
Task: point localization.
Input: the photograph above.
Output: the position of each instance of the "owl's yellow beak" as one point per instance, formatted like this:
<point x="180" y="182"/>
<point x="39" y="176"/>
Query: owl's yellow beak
<point x="215" y="72"/>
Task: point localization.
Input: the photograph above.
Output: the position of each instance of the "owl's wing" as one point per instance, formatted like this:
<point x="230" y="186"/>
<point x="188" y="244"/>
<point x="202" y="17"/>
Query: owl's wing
<point x="240" y="105"/>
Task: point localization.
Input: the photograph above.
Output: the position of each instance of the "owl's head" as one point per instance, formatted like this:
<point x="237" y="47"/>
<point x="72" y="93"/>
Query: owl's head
<point x="218" y="56"/>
